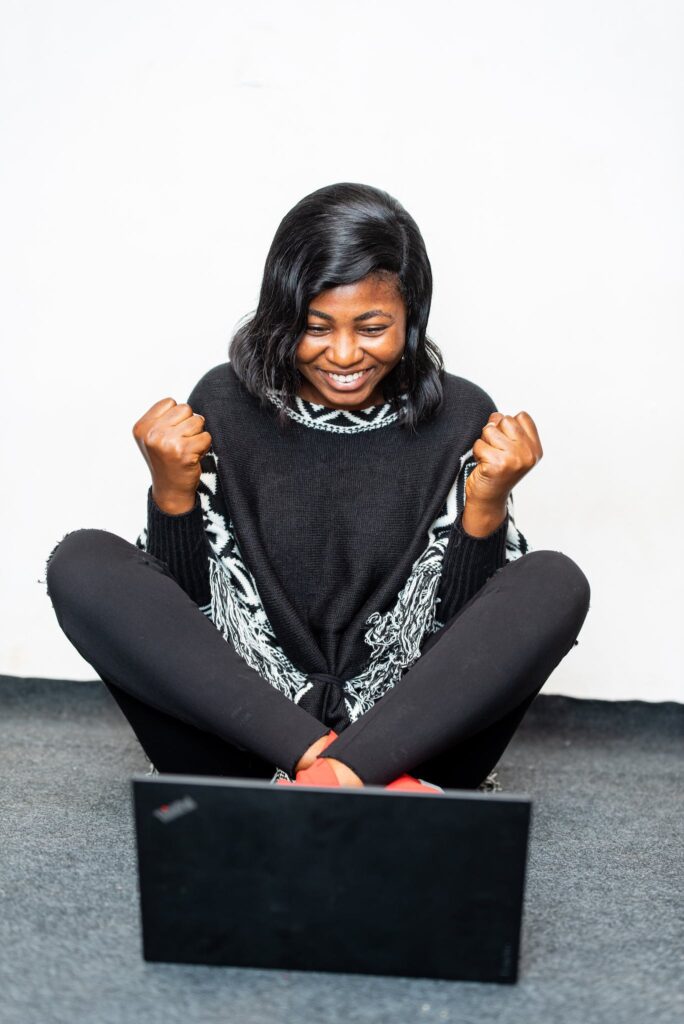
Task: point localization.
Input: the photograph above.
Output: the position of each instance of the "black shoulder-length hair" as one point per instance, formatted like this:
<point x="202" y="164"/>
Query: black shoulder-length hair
<point x="338" y="235"/>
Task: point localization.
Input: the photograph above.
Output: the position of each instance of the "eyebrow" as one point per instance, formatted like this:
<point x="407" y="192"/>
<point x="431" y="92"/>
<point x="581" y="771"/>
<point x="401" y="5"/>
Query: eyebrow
<point x="368" y="315"/>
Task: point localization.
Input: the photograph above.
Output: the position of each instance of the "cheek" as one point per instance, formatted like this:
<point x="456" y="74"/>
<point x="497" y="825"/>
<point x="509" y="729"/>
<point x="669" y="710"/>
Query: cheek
<point x="305" y="350"/>
<point x="395" y="342"/>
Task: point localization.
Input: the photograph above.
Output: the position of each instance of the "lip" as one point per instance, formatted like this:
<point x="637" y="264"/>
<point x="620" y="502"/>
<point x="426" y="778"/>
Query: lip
<point x="355" y="385"/>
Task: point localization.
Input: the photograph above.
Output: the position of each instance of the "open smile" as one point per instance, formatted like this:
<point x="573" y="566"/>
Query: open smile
<point x="346" y="381"/>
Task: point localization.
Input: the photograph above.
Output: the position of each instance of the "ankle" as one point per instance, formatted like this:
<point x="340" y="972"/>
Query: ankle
<point x="346" y="776"/>
<point x="310" y="755"/>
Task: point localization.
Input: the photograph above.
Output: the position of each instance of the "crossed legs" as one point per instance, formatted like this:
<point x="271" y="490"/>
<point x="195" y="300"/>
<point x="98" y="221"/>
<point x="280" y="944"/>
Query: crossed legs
<point x="198" y="708"/>
<point x="452" y="714"/>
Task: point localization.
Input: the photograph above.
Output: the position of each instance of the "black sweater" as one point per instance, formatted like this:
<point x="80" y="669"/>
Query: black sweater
<point x="327" y="552"/>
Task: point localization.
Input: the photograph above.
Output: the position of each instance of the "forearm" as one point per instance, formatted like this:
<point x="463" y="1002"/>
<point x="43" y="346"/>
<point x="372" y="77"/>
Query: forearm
<point x="471" y="557"/>
<point x="178" y="538"/>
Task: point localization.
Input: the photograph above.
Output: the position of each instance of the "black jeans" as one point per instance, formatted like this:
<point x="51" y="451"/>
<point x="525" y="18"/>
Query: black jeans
<point x="197" y="707"/>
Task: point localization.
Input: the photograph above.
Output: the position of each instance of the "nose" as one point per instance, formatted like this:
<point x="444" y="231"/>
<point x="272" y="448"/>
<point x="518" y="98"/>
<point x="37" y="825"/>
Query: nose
<point x="345" y="349"/>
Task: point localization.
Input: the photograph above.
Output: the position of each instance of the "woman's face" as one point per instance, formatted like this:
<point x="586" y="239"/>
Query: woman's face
<point x="353" y="328"/>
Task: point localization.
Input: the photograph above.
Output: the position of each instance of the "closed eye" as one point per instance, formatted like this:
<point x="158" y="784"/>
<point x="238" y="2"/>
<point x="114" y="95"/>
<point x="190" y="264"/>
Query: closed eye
<point x="319" y="329"/>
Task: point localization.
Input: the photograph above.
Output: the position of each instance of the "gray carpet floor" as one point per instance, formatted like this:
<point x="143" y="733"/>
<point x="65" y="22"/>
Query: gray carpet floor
<point x="603" y="924"/>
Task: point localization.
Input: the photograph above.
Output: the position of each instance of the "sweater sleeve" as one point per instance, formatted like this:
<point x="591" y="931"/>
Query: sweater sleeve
<point x="181" y="542"/>
<point x="470" y="561"/>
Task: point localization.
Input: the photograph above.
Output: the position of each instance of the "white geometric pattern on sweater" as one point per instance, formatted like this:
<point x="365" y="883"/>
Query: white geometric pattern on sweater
<point x="338" y="421"/>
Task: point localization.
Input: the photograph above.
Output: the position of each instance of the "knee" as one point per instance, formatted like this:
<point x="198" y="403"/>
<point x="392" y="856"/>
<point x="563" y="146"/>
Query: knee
<point x="71" y="561"/>
<point x="567" y="583"/>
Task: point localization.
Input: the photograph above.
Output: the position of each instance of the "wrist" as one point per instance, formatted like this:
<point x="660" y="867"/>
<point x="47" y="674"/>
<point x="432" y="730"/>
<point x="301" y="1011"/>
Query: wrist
<point x="173" y="503"/>
<point x="482" y="518"/>
<point x="346" y="776"/>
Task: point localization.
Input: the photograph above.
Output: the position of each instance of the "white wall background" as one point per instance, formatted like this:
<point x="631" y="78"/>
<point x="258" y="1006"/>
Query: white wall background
<point x="150" y="151"/>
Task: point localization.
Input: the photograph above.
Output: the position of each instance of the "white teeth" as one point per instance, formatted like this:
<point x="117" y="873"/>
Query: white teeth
<point x="345" y="377"/>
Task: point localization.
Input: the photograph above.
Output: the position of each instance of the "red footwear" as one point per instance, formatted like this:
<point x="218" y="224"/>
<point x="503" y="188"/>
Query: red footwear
<point x="410" y="784"/>
<point x="311" y="781"/>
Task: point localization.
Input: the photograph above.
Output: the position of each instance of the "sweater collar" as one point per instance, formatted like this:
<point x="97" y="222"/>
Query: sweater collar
<point x="339" y="421"/>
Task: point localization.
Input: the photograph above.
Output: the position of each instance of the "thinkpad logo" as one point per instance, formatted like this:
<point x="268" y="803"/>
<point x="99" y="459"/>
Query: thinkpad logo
<point x="169" y="812"/>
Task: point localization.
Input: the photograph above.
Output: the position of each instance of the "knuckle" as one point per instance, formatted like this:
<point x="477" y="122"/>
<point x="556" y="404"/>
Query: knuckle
<point x="165" y="444"/>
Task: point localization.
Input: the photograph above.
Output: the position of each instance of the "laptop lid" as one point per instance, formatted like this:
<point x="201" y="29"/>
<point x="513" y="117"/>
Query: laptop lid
<point x="245" y="873"/>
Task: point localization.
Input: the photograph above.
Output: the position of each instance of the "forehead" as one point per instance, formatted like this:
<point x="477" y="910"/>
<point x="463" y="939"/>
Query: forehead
<point x="369" y="293"/>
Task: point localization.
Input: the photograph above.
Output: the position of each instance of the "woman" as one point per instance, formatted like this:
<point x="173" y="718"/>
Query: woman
<point x="330" y="582"/>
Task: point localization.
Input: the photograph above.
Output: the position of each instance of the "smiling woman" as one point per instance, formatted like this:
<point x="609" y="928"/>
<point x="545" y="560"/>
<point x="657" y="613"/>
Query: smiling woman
<point x="330" y="583"/>
<point x="346" y="290"/>
<point x="344" y="358"/>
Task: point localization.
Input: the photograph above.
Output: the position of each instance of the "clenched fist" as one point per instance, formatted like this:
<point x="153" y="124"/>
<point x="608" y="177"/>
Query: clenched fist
<point x="508" y="449"/>
<point x="172" y="440"/>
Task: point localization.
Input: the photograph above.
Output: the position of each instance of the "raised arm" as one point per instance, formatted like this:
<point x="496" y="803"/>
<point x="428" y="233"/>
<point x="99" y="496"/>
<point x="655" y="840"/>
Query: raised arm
<point x="484" y="535"/>
<point x="173" y="441"/>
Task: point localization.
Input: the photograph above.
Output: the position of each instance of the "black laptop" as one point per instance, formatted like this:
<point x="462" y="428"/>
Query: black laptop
<point x="248" y="873"/>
